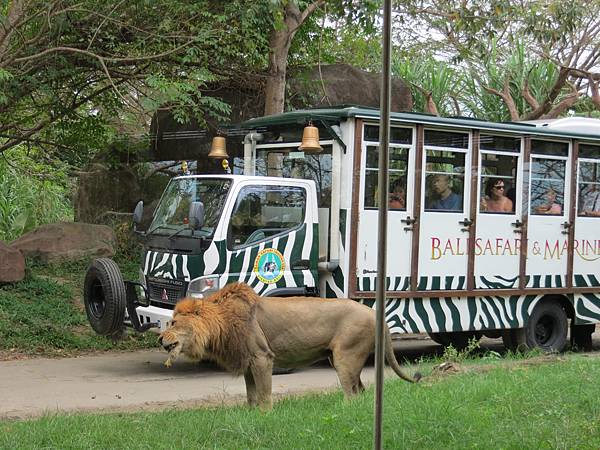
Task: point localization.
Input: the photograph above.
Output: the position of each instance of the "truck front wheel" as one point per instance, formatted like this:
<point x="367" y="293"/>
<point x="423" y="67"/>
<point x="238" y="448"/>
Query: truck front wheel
<point x="104" y="297"/>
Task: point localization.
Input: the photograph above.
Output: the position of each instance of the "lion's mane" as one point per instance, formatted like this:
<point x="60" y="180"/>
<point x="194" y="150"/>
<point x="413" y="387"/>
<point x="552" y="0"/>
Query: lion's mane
<point x="223" y="324"/>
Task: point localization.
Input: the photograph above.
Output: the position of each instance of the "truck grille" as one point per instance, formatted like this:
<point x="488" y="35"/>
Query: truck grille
<point x="166" y="291"/>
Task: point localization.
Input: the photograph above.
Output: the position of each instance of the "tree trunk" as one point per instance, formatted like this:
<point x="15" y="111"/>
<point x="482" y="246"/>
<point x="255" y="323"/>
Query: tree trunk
<point x="275" y="89"/>
<point x="279" y="44"/>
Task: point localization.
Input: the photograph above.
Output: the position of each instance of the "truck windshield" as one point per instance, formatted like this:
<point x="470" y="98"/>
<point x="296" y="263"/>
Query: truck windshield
<point x="172" y="214"/>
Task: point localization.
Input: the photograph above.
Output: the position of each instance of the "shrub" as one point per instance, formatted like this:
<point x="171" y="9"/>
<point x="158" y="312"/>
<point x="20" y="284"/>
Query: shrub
<point x="29" y="198"/>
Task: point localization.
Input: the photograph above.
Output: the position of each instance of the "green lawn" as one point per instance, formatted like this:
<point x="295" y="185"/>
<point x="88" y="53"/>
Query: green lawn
<point x="43" y="315"/>
<point x="509" y="405"/>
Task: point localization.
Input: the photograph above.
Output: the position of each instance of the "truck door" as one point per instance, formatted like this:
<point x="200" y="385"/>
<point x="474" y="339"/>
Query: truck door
<point x="445" y="215"/>
<point x="547" y="247"/>
<point x="400" y="206"/>
<point x="498" y="238"/>
<point x="271" y="237"/>
<point x="586" y="258"/>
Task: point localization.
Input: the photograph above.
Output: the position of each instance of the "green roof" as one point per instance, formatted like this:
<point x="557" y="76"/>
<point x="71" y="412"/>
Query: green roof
<point x="341" y="113"/>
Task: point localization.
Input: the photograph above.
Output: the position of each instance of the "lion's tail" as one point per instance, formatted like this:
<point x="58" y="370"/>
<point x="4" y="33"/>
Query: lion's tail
<point x="393" y="362"/>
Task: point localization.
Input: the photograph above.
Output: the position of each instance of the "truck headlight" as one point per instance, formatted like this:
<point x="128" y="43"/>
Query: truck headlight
<point x="203" y="286"/>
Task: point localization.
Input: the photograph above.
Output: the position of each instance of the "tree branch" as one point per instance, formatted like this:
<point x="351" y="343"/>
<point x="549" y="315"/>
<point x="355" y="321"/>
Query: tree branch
<point x="530" y="99"/>
<point x="506" y="98"/>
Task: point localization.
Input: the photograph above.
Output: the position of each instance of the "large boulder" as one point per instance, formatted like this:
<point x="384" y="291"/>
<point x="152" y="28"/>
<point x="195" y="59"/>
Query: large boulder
<point x="67" y="241"/>
<point x="336" y="84"/>
<point x="12" y="264"/>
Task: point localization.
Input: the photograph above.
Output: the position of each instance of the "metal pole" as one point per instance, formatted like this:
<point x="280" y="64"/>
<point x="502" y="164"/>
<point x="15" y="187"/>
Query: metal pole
<point x="384" y="132"/>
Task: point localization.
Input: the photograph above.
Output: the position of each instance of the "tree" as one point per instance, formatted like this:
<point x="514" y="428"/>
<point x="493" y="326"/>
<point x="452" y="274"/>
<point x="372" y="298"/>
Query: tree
<point x="559" y="41"/>
<point x="287" y="22"/>
<point x="73" y="72"/>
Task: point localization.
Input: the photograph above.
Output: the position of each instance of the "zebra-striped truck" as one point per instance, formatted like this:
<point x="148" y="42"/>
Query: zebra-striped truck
<point x="493" y="227"/>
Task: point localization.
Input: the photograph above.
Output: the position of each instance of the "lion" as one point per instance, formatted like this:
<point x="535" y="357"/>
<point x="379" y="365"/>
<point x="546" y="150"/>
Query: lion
<point x="249" y="335"/>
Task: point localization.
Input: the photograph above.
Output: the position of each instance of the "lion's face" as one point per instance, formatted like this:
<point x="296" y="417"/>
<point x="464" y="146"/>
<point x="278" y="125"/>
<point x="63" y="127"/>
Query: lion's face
<point x="184" y="335"/>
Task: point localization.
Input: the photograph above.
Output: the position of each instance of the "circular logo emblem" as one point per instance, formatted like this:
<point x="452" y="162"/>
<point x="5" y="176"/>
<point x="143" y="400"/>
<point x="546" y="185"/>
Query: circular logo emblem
<point x="269" y="265"/>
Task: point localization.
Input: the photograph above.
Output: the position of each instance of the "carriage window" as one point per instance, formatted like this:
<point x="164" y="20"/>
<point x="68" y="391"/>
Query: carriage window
<point x="444" y="174"/>
<point x="397" y="135"/>
<point x="497" y="185"/>
<point x="589" y="151"/>
<point x="446" y="139"/>
<point x="549" y="148"/>
<point x="589" y="189"/>
<point x="290" y="163"/>
<point x="264" y="211"/>
<point x="547" y="186"/>
<point x="500" y="143"/>
<point x="397" y="177"/>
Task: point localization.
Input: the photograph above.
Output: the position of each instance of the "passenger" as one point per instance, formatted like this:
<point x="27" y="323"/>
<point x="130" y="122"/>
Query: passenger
<point x="495" y="199"/>
<point x="549" y="206"/>
<point x="397" y="198"/>
<point x="591" y="203"/>
<point x="397" y="201"/>
<point x="446" y="199"/>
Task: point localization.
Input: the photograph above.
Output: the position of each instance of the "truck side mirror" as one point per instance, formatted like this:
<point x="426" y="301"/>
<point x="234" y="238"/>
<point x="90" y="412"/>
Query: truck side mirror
<point x="196" y="215"/>
<point x="138" y="212"/>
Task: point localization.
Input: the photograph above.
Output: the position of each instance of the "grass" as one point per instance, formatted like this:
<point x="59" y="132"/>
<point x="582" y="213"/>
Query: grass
<point x="513" y="406"/>
<point x="44" y="315"/>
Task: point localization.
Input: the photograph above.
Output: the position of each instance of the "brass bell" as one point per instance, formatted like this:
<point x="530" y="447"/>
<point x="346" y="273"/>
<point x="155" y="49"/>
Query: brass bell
<point x="310" y="139"/>
<point x="217" y="149"/>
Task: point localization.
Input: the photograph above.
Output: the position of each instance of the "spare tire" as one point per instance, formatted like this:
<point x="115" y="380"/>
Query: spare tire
<point x="104" y="297"/>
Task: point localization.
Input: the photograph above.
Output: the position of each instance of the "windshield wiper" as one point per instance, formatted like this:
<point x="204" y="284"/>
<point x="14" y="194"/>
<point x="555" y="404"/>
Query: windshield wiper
<point x="158" y="227"/>
<point x="177" y="232"/>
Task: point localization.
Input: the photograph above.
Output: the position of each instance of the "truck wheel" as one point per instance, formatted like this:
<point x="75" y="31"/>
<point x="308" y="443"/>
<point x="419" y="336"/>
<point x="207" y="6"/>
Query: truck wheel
<point x="547" y="326"/>
<point x="581" y="336"/>
<point x="104" y="297"/>
<point x="458" y="339"/>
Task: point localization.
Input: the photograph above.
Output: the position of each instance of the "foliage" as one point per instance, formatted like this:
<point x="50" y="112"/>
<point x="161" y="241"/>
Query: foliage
<point x="74" y="75"/>
<point x="28" y="198"/>
<point x="451" y="354"/>
<point x="473" y="409"/>
<point x="537" y="58"/>
<point x="44" y="315"/>
<point x="429" y="77"/>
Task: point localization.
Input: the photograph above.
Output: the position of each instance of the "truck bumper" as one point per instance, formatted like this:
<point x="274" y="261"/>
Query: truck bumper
<point x="154" y="315"/>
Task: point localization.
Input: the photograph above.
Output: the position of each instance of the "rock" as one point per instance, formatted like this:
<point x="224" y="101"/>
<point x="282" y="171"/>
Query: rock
<point x="447" y="367"/>
<point x="336" y="84"/>
<point x="12" y="264"/>
<point x="67" y="241"/>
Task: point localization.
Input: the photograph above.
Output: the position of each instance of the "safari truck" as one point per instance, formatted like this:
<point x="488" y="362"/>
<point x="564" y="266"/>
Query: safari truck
<point x="493" y="228"/>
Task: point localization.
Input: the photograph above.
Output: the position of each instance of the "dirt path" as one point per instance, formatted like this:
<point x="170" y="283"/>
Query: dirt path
<point x="128" y="381"/>
<point x="139" y="381"/>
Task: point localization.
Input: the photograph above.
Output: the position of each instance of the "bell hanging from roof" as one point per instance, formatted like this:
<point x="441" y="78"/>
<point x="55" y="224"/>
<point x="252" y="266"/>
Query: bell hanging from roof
<point x="310" y="139"/>
<point x="217" y="149"/>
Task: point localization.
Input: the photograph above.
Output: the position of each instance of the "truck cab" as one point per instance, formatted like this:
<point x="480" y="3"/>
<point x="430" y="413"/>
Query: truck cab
<point x="258" y="230"/>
